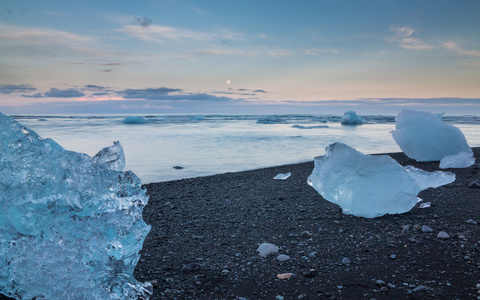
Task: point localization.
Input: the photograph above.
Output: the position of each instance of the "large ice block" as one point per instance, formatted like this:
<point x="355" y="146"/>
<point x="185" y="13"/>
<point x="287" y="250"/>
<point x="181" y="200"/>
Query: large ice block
<point x="369" y="185"/>
<point x="71" y="226"/>
<point x="424" y="137"/>
<point x="351" y="118"/>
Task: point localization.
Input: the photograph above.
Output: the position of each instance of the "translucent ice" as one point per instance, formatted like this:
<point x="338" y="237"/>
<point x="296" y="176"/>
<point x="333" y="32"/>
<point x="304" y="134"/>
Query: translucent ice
<point x="71" y="226"/>
<point x="134" y="120"/>
<point x="424" y="137"/>
<point x="460" y="160"/>
<point x="282" y="176"/>
<point x="367" y="185"/>
<point x="351" y="118"/>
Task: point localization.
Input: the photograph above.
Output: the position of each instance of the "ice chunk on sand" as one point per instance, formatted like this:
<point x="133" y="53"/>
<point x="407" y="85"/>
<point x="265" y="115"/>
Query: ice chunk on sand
<point x="460" y="160"/>
<point x="282" y="176"/>
<point x="351" y="118"/>
<point x="134" y="120"/>
<point x="266" y="249"/>
<point x="424" y="137"/>
<point x="367" y="185"/>
<point x="71" y="226"/>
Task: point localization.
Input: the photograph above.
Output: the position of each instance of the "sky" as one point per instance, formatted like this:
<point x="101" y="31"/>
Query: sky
<point x="259" y="57"/>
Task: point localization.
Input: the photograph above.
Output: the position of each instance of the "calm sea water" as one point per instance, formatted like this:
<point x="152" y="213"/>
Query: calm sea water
<point x="212" y="144"/>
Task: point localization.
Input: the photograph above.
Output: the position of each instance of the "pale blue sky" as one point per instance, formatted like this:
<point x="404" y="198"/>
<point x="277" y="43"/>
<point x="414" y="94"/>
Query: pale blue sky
<point x="279" y="56"/>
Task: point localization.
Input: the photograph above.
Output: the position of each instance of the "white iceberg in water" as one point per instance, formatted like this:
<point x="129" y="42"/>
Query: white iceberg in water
<point x="369" y="185"/>
<point x="134" y="120"/>
<point x="460" y="160"/>
<point x="351" y="118"/>
<point x="424" y="137"/>
<point x="71" y="226"/>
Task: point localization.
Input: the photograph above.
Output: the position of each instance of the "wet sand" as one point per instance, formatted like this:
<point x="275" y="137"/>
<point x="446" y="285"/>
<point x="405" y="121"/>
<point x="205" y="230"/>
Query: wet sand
<point x="206" y="230"/>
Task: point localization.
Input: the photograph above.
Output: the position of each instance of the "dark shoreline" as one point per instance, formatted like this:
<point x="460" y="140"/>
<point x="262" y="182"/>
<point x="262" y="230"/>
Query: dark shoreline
<point x="205" y="232"/>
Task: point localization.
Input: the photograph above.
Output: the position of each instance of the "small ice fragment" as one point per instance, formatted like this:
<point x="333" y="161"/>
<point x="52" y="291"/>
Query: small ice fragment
<point x="425" y="205"/>
<point x="282" y="176"/>
<point x="112" y="156"/>
<point x="424" y="137"/>
<point x="309" y="127"/>
<point x="283" y="257"/>
<point x="134" y="120"/>
<point x="462" y="159"/>
<point x="266" y="249"/>
<point x="351" y="118"/>
<point x="369" y="185"/>
<point x="443" y="235"/>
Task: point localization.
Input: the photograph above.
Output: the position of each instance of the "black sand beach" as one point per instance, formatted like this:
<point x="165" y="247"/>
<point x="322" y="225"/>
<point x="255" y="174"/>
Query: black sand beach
<point x="206" y="230"/>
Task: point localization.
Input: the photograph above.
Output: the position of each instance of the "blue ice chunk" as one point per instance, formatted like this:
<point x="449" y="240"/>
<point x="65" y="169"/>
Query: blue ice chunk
<point x="370" y="186"/>
<point x="351" y="118"/>
<point x="134" y="120"/>
<point x="424" y="137"/>
<point x="71" y="226"/>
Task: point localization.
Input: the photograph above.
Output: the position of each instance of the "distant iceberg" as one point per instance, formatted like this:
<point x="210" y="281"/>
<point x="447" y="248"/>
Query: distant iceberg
<point x="370" y="186"/>
<point x="351" y="118"/>
<point x="71" y="226"/>
<point x="424" y="137"/>
<point x="309" y="127"/>
<point x="134" y="120"/>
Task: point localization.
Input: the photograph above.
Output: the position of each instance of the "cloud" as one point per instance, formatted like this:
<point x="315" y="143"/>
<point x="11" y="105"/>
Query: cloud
<point x="317" y="51"/>
<point x="259" y="91"/>
<point x="16" y="88"/>
<point x="142" y="21"/>
<point x="403" y="35"/>
<point x="150" y="93"/>
<point x="37" y="40"/>
<point x="452" y="46"/>
<point x="57" y="93"/>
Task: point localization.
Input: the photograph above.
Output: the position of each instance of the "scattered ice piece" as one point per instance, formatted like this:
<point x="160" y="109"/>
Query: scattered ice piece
<point x="71" y="225"/>
<point x="460" y="160"/>
<point x="426" y="229"/>
<point x="351" y="118"/>
<point x="424" y="137"/>
<point x="369" y="185"/>
<point x="134" y="120"/>
<point x="282" y="176"/>
<point x="425" y="205"/>
<point x="266" y="249"/>
<point x="345" y="261"/>
<point x="279" y="297"/>
<point x="283" y="257"/>
<point x="443" y="235"/>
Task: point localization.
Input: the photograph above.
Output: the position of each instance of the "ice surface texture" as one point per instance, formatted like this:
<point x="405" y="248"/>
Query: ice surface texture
<point x="424" y="137"/>
<point x="351" y="118"/>
<point x="71" y="226"/>
<point x="370" y="186"/>
<point x="460" y="160"/>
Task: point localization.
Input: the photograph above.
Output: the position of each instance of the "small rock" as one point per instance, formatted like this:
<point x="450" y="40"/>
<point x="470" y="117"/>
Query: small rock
<point x="284" y="276"/>
<point x="420" y="288"/>
<point x="470" y="221"/>
<point x="393" y="256"/>
<point x="474" y="185"/>
<point x="478" y="286"/>
<point x="383" y="289"/>
<point x="345" y="261"/>
<point x="380" y="282"/>
<point x="266" y="249"/>
<point x="312" y="255"/>
<point x="306" y="234"/>
<point x="178" y="167"/>
<point x="426" y="229"/>
<point x="310" y="273"/>
<point x="278" y="297"/>
<point x="283" y="257"/>
<point x="443" y="235"/>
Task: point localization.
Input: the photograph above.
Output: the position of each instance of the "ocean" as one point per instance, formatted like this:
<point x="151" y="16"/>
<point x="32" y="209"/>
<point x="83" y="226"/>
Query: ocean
<point x="169" y="147"/>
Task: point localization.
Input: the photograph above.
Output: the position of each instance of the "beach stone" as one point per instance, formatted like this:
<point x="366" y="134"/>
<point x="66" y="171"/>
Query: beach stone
<point x="380" y="282"/>
<point x="474" y="185"/>
<point x="443" y="235"/>
<point x="420" y="288"/>
<point x="267" y="249"/>
<point x="283" y="257"/>
<point x="426" y="229"/>
<point x="345" y="261"/>
<point x="306" y="234"/>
